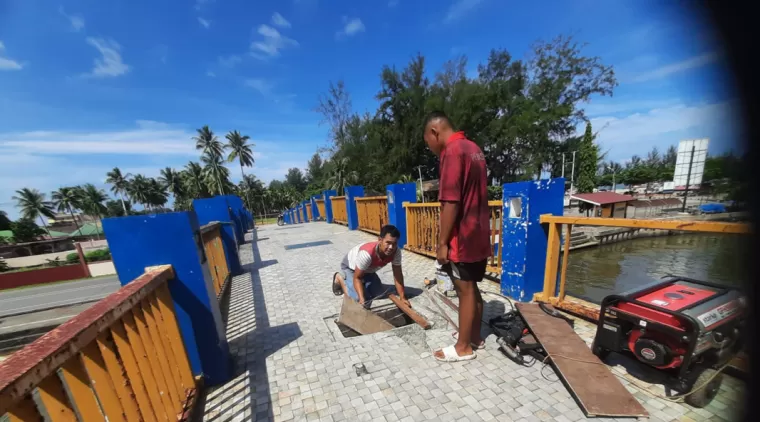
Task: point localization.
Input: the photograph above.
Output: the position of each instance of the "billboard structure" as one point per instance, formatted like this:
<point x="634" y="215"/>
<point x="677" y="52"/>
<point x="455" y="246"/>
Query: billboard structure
<point x="690" y="164"/>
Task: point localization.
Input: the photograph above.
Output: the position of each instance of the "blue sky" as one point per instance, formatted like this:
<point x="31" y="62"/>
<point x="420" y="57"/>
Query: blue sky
<point x="88" y="85"/>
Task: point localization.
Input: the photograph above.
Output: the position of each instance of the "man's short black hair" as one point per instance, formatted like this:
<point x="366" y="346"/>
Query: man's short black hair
<point x="438" y="115"/>
<point x="391" y="230"/>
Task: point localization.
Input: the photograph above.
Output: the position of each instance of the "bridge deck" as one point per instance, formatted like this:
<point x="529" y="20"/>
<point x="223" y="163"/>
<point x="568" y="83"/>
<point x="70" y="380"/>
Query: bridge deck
<point x="292" y="363"/>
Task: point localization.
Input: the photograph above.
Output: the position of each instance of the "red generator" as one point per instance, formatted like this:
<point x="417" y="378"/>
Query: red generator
<point x="691" y="329"/>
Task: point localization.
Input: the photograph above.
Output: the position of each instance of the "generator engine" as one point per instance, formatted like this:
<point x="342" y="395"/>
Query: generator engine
<point x="688" y="328"/>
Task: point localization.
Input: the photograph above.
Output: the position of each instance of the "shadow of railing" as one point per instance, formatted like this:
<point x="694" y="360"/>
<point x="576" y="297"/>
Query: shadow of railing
<point x="251" y="341"/>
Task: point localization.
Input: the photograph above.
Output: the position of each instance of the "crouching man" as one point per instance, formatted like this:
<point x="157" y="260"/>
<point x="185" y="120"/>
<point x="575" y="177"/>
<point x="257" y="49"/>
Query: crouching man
<point x="357" y="277"/>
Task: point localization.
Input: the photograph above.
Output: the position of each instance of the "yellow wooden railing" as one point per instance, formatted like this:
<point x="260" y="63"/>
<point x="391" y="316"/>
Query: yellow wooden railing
<point x="214" y="249"/>
<point x="422" y="230"/>
<point x="372" y="212"/>
<point x="122" y="359"/>
<point x="308" y="213"/>
<point x="321" y="208"/>
<point x="340" y="215"/>
<point x="553" y="251"/>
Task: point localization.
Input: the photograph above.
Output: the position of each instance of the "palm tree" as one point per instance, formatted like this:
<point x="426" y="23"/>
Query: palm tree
<point x="195" y="180"/>
<point x="207" y="142"/>
<point x="119" y="183"/>
<point x="216" y="173"/>
<point x="240" y="150"/>
<point x="139" y="189"/>
<point x="66" y="199"/>
<point x="33" y="205"/>
<point x="172" y="181"/>
<point x="156" y="195"/>
<point x="92" y="202"/>
<point x="341" y="176"/>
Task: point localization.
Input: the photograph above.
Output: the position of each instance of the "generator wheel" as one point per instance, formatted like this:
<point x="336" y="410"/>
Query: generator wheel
<point x="706" y="394"/>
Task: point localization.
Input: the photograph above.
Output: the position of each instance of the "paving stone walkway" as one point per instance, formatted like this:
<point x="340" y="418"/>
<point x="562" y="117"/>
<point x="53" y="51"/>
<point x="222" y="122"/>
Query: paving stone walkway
<point x="292" y="363"/>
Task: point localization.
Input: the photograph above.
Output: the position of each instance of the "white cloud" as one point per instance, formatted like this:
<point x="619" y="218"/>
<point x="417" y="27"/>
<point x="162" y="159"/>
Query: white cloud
<point x="272" y="43"/>
<point x="682" y="66"/>
<point x="6" y="63"/>
<point x="459" y="8"/>
<point x="264" y="87"/>
<point x="204" y="23"/>
<point x="637" y="133"/>
<point x="278" y="20"/>
<point x="611" y="106"/>
<point x="76" y="21"/>
<point x="229" y="61"/>
<point x="110" y="64"/>
<point x="351" y="26"/>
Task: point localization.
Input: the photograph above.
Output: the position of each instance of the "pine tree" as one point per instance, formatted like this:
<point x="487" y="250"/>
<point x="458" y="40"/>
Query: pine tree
<point x="587" y="162"/>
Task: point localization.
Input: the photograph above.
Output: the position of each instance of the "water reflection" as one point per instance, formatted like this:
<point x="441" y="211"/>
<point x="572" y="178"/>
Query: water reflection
<point x="596" y="272"/>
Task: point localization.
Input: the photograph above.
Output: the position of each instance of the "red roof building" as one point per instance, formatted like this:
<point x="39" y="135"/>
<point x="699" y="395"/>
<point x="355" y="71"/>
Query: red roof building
<point x="604" y="204"/>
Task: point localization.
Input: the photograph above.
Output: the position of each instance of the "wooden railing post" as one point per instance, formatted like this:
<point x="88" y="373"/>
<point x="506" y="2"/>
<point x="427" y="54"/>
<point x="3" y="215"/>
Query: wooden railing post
<point x="525" y="266"/>
<point x="218" y="209"/>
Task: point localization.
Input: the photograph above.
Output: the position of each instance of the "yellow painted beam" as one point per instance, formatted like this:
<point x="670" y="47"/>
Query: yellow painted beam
<point x="552" y="260"/>
<point x="690" y="226"/>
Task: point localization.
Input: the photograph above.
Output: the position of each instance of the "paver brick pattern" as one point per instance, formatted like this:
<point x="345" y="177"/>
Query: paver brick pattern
<point x="292" y="364"/>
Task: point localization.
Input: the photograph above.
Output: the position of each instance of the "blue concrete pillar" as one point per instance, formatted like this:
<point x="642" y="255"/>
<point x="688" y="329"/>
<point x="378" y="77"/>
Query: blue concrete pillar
<point x="141" y="241"/>
<point x="303" y="211"/>
<point x="523" y="239"/>
<point x="238" y="218"/>
<point x="217" y="209"/>
<point x="314" y="208"/>
<point x="353" y="192"/>
<point x="397" y="195"/>
<point x="328" y="205"/>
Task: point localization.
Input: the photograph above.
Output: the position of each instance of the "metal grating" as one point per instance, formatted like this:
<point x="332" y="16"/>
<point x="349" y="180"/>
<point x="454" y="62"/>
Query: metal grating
<point x="307" y="245"/>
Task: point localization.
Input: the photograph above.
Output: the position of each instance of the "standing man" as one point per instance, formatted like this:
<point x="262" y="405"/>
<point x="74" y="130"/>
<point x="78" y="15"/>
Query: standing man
<point x="464" y="244"/>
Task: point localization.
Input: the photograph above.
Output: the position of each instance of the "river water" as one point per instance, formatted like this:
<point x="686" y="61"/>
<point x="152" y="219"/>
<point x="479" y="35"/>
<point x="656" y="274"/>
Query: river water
<point x="597" y="271"/>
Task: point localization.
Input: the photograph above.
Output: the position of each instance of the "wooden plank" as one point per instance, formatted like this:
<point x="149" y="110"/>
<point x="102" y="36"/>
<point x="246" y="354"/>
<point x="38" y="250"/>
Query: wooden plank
<point x="164" y="337"/>
<point x="166" y="307"/>
<point x="53" y="401"/>
<point x="173" y="385"/>
<point x="125" y="391"/>
<point x="77" y="383"/>
<point x="149" y="352"/>
<point x="591" y="383"/>
<point x="102" y="383"/>
<point x="24" y="411"/>
<point x="552" y="262"/>
<point x="690" y="226"/>
<point x="565" y="258"/>
<point x="145" y="373"/>
<point x="353" y="315"/>
<point x="448" y="302"/>
<point x="419" y="319"/>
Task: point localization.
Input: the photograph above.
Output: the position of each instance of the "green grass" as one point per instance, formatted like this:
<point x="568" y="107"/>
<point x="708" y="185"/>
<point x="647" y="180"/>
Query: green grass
<point x="263" y="221"/>
<point x="54" y="282"/>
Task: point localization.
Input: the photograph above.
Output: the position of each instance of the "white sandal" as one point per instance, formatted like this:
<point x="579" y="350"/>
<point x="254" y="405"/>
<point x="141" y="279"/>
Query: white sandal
<point x="474" y="346"/>
<point x="450" y="355"/>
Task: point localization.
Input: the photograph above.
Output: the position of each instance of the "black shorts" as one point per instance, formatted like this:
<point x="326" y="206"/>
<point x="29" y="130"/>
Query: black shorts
<point x="467" y="271"/>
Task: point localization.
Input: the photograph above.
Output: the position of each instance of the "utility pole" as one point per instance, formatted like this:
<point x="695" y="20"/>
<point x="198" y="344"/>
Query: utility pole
<point x="563" y="165"/>
<point x="419" y="170"/>
<point x="572" y="174"/>
<point x="688" y="180"/>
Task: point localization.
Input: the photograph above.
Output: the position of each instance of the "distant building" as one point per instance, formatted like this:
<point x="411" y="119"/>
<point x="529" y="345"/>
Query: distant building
<point x="603" y="204"/>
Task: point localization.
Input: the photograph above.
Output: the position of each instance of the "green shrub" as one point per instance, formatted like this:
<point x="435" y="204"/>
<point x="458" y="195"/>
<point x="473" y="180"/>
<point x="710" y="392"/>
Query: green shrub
<point x="98" y="255"/>
<point x="72" y="258"/>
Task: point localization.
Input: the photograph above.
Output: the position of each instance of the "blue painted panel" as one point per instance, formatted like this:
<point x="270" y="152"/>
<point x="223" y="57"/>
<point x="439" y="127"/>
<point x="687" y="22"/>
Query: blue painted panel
<point x="329" y="205"/>
<point x="353" y="192"/>
<point x="137" y="242"/>
<point x="397" y="195"/>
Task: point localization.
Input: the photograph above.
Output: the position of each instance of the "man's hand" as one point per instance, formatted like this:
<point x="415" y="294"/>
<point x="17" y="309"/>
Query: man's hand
<point x="443" y="254"/>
